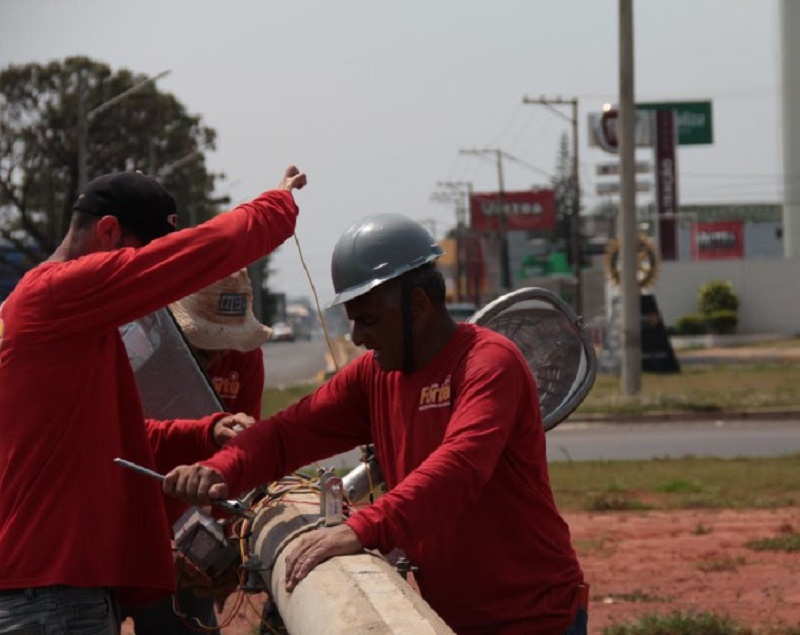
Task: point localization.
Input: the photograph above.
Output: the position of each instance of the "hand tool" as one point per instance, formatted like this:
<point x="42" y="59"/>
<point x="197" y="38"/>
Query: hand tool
<point x="231" y="506"/>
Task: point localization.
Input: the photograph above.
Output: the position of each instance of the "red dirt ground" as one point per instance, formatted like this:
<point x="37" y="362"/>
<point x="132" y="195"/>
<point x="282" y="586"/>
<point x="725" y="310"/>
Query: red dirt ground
<point x="639" y="563"/>
<point x="688" y="560"/>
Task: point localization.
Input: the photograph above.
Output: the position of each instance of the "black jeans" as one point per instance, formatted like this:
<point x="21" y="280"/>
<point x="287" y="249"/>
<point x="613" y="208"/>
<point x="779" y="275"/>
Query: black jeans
<point x="55" y="610"/>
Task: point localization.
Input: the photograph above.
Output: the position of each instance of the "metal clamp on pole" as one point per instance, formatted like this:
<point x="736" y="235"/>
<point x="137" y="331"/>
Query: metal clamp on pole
<point x="330" y="499"/>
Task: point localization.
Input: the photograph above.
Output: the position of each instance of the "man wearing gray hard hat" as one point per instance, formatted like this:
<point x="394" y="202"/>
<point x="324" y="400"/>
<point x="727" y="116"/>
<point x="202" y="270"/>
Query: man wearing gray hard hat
<point x="453" y="412"/>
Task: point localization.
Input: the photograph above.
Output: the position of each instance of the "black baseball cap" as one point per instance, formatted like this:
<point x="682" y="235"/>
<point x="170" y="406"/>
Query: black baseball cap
<point x="139" y="202"/>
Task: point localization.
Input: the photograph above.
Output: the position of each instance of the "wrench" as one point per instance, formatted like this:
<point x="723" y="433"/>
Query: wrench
<point x="231" y="506"/>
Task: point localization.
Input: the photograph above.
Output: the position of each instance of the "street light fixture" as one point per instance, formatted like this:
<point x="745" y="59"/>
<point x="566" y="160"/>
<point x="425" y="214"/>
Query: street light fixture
<point x="85" y="118"/>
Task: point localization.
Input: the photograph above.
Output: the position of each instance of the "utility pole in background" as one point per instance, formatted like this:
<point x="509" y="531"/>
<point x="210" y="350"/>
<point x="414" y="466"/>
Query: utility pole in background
<point x="459" y="192"/>
<point x="575" y="218"/>
<point x="85" y="119"/>
<point x="505" y="270"/>
<point x="628" y="238"/>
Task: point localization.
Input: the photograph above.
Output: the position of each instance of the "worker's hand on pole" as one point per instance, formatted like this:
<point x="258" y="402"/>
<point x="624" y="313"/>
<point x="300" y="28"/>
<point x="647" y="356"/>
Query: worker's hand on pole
<point x="317" y="546"/>
<point x="195" y="484"/>
<point x="293" y="179"/>
<point x="229" y="426"/>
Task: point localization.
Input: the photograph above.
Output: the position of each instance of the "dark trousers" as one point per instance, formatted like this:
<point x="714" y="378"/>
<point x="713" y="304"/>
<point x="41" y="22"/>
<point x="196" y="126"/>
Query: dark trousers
<point x="159" y="618"/>
<point x="581" y="624"/>
<point x="55" y="610"/>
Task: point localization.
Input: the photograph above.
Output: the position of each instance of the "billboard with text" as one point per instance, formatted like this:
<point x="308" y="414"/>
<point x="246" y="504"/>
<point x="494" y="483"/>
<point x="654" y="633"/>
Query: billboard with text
<point x="531" y="210"/>
<point x="721" y="240"/>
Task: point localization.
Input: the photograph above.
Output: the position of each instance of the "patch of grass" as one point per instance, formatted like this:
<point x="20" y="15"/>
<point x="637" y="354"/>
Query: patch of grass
<point x="614" y="501"/>
<point x="276" y="399"/>
<point x="738" y="483"/>
<point x="679" y="623"/>
<point x="700" y="388"/>
<point x="702" y="530"/>
<point x="787" y="542"/>
<point x="678" y="486"/>
<point x="718" y="565"/>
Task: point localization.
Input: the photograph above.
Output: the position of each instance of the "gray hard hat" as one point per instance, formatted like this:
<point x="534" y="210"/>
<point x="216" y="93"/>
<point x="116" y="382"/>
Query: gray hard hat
<point x="376" y="249"/>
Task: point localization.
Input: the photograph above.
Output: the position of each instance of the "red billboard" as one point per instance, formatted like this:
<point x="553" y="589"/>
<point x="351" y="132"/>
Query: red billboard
<point x="720" y="240"/>
<point x="532" y="210"/>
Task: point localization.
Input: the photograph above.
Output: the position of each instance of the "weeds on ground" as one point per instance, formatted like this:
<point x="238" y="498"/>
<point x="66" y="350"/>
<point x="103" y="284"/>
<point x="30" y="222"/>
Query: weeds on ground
<point x="679" y="486"/>
<point x="781" y="630"/>
<point x="679" y="623"/>
<point x="685" y="483"/>
<point x="701" y="389"/>
<point x="718" y="565"/>
<point x="786" y="542"/>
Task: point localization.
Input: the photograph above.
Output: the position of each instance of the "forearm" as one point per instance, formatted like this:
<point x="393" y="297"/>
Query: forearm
<point x="327" y="422"/>
<point x="125" y="284"/>
<point x="181" y="441"/>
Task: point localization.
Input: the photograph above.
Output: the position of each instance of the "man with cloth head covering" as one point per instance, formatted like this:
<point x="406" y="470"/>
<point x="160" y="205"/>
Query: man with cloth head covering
<point x="226" y="338"/>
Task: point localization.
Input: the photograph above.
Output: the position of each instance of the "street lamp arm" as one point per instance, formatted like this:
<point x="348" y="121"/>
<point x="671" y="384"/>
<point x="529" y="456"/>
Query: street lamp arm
<point x="550" y="105"/>
<point x="170" y="168"/>
<point x="123" y="95"/>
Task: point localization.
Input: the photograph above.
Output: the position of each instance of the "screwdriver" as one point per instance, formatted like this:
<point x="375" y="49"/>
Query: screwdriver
<point x="231" y="506"/>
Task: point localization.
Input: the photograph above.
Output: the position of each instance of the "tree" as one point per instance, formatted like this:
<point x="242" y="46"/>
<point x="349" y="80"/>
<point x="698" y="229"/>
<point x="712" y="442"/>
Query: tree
<point x="149" y="131"/>
<point x="564" y="192"/>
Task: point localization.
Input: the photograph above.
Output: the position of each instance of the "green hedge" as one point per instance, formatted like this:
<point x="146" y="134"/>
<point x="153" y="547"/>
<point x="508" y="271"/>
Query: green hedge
<point x="723" y="322"/>
<point x="691" y="324"/>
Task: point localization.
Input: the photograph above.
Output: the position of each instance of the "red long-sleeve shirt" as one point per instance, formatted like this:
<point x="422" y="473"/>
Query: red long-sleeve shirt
<point x="461" y="445"/>
<point x="238" y="379"/>
<point x="69" y="406"/>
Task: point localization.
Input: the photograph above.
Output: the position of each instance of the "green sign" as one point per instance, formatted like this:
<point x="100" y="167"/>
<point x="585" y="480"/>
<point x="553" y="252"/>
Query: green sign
<point x="693" y="119"/>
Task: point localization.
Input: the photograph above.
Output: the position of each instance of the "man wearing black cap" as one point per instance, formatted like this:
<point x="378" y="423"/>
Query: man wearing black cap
<point x="77" y="533"/>
<point x="140" y="204"/>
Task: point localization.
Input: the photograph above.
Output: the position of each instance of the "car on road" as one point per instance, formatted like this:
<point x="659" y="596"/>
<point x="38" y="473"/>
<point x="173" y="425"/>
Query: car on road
<point x="282" y="332"/>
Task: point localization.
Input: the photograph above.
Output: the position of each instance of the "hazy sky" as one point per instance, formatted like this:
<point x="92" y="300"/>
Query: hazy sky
<point x="375" y="99"/>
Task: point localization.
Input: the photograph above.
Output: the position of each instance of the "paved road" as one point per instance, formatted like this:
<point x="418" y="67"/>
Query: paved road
<point x="599" y="441"/>
<point x="287" y="363"/>
<point x="628" y="441"/>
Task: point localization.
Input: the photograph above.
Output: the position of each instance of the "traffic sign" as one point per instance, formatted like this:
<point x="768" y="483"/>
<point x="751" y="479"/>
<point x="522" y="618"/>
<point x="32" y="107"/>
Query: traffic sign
<point x="693" y="119"/>
<point x="603" y="130"/>
<point x="612" y="169"/>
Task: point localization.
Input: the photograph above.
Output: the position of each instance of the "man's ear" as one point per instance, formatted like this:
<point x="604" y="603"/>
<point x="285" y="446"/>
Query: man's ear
<point x="421" y="304"/>
<point x="108" y="233"/>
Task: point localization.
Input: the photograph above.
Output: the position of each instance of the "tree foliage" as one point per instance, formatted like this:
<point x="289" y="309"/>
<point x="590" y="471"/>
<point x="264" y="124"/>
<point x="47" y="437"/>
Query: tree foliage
<point x="564" y="193"/>
<point x="148" y="130"/>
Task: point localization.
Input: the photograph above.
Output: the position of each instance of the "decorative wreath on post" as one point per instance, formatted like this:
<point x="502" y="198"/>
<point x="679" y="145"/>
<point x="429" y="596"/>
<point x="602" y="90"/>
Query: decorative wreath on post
<point x="647" y="262"/>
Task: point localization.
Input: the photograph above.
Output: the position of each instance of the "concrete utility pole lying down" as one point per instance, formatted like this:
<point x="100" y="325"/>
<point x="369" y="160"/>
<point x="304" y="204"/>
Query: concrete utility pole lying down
<point x="360" y="593"/>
